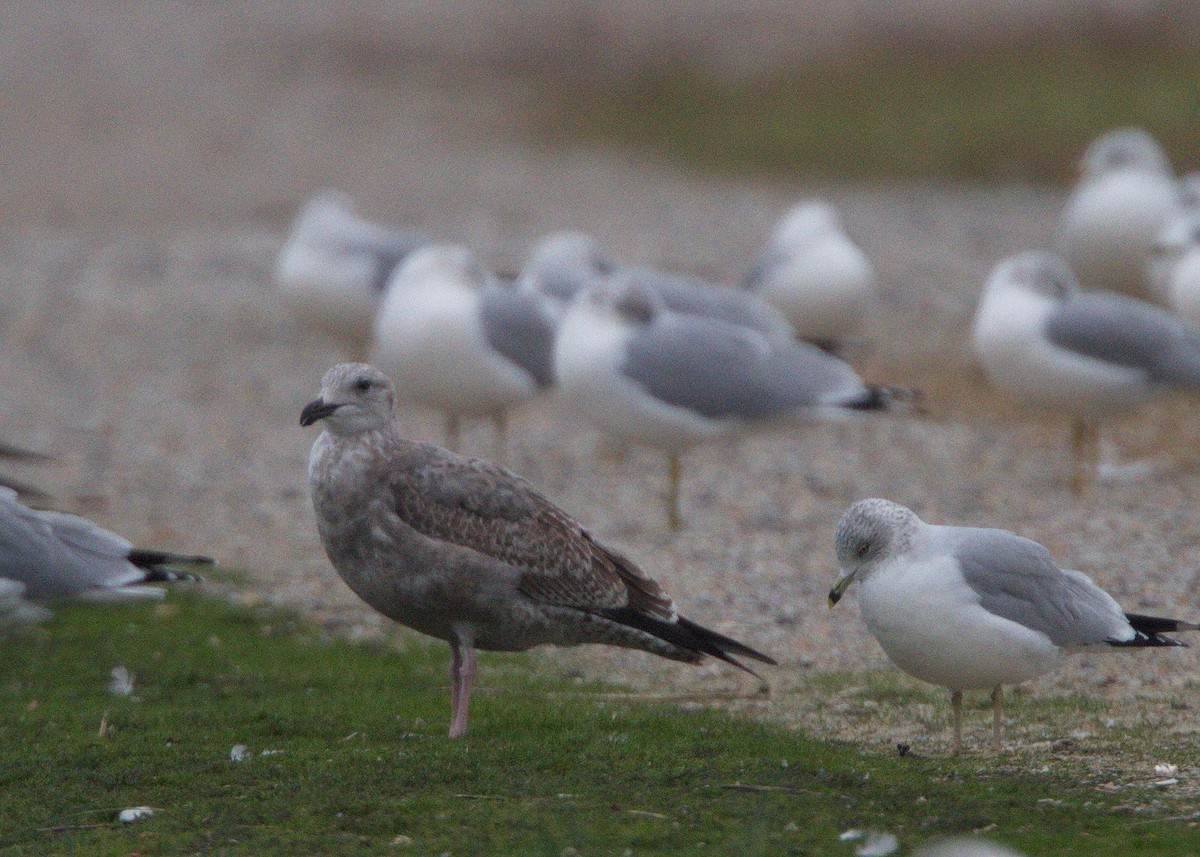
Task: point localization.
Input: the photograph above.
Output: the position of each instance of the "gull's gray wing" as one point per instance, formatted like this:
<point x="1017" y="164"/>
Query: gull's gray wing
<point x="477" y="505"/>
<point x="693" y="296"/>
<point x="722" y="370"/>
<point x="1016" y="578"/>
<point x="386" y="247"/>
<point x="517" y="323"/>
<point x="1128" y="333"/>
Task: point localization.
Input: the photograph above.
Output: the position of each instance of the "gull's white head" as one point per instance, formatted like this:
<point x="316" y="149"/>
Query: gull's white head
<point x="326" y="211"/>
<point x="1125" y="149"/>
<point x="355" y="397"/>
<point x="436" y="266"/>
<point x="1038" y="272"/>
<point x="563" y="263"/>
<point x="805" y="224"/>
<point x="870" y="532"/>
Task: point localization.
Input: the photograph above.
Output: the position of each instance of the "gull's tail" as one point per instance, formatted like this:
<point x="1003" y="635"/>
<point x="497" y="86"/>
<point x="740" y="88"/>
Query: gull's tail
<point x="1150" y="630"/>
<point x="886" y="398"/>
<point x="687" y="635"/>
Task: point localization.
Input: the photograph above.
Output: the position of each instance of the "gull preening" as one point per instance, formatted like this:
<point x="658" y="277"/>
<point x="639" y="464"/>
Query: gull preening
<point x="644" y="374"/>
<point x="815" y="275"/>
<point x="467" y="552"/>
<point x="1082" y="354"/>
<point x="1126" y="194"/>
<point x="563" y="264"/>
<point x="335" y="264"/>
<point x="969" y="608"/>
<point x="457" y="339"/>
<point x="45" y="556"/>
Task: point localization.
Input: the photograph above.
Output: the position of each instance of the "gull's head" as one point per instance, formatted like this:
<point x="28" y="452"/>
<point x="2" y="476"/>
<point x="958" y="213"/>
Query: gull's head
<point x="1125" y="149"/>
<point x="325" y="212"/>
<point x="435" y="266"/>
<point x="355" y="397"/>
<point x="807" y="223"/>
<point x="870" y="532"/>
<point x="1040" y="273"/>
<point x="563" y="263"/>
<point x="624" y="300"/>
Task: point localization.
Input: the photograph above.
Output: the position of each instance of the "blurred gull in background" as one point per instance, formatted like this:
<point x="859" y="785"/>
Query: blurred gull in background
<point x="1175" y="265"/>
<point x="645" y="374"/>
<point x="1084" y="354"/>
<point x="565" y="263"/>
<point x="815" y="275"/>
<point x="333" y="269"/>
<point x="969" y="608"/>
<point x="1126" y="194"/>
<point x="457" y="339"/>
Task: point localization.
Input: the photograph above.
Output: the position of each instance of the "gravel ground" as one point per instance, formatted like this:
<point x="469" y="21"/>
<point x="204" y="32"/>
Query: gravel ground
<point x="152" y="356"/>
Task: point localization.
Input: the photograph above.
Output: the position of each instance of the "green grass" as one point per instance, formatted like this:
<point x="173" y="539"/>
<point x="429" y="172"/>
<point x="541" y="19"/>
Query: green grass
<point x="362" y="758"/>
<point x="906" y="111"/>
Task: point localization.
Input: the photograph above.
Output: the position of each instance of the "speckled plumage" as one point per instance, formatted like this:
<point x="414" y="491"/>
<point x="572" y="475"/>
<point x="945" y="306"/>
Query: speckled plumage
<point x="468" y="552"/>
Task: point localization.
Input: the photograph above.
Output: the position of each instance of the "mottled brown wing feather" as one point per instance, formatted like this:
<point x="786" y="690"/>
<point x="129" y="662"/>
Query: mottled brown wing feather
<point x="475" y="504"/>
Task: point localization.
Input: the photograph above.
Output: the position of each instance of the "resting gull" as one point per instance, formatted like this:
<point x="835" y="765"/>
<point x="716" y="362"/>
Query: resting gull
<point x="645" y="374"/>
<point x="333" y="268"/>
<point x="969" y="608"/>
<point x="565" y="263"/>
<point x="1084" y="354"/>
<point x="467" y="552"/>
<point x="814" y="274"/>
<point x="1175" y="265"/>
<point x="1125" y="195"/>
<point x="457" y="339"/>
<point x="51" y="555"/>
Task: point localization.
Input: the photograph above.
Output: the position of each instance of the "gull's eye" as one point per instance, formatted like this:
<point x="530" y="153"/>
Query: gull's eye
<point x="862" y="549"/>
<point x="362" y="385"/>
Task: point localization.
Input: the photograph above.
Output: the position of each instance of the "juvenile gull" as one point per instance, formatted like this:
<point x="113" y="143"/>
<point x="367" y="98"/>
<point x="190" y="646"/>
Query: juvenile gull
<point x="470" y="553"/>
<point x="333" y="268"/>
<point x="644" y="374"/>
<point x="1125" y="195"/>
<point x="457" y="339"/>
<point x="1082" y="354"/>
<point x="52" y="555"/>
<point x="565" y="263"/>
<point x="969" y="608"/>
<point x="814" y="274"/>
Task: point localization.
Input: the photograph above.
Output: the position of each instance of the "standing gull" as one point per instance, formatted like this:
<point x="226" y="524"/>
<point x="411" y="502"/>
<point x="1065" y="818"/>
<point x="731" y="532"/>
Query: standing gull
<point x="468" y="552"/>
<point x="333" y="268"/>
<point x="1125" y="195"/>
<point x="969" y="608"/>
<point x="51" y="555"/>
<point x="457" y="339"/>
<point x="645" y="374"/>
<point x="815" y="275"/>
<point x="566" y="263"/>
<point x="1083" y="354"/>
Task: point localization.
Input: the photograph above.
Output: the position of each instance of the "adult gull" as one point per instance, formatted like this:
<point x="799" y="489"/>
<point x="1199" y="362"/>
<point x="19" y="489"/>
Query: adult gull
<point x="457" y="339"/>
<point x="969" y="608"/>
<point x="645" y="374"/>
<point x="465" y="551"/>
<point x="1083" y="354"/>
<point x="814" y="274"/>
<point x="335" y="264"/>
<point x="45" y="556"/>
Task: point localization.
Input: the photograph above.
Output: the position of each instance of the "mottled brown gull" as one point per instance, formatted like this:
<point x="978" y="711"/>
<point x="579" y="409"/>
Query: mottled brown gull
<point x="467" y="552"/>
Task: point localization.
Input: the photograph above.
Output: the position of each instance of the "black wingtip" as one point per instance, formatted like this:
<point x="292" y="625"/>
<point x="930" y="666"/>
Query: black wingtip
<point x="1151" y="632"/>
<point x="160" y="565"/>
<point x="885" y="398"/>
<point x="691" y="637"/>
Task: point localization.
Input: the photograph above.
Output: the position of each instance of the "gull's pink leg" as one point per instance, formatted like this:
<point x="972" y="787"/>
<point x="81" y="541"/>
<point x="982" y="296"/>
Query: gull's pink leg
<point x="455" y="666"/>
<point x="462" y="675"/>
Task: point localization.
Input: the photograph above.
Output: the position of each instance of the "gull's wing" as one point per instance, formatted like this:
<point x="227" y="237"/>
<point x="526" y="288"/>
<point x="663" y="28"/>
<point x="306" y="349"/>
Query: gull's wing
<point x="517" y="323"/>
<point x="1016" y="578"/>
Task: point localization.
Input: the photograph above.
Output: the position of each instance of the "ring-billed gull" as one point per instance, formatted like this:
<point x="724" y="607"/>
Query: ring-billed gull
<point x="333" y="268"/>
<point x="565" y="263"/>
<point x="457" y="339"/>
<point x="1083" y="354"/>
<point x="52" y="555"/>
<point x="644" y="374"/>
<point x="969" y="608"/>
<point x="1125" y="195"/>
<point x="467" y="552"/>
<point x="814" y="274"/>
<point x="1175" y="265"/>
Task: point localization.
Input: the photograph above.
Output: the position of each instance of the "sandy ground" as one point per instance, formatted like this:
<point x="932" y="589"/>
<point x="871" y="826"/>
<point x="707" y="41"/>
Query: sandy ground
<point x="148" y="351"/>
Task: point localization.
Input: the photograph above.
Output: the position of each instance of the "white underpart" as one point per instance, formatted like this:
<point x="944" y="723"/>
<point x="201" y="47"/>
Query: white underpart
<point x="1110" y="224"/>
<point x="822" y="290"/>
<point x="1183" y="286"/>
<point x="588" y="354"/>
<point x="929" y="622"/>
<point x="430" y="340"/>
<point x="1010" y="343"/>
